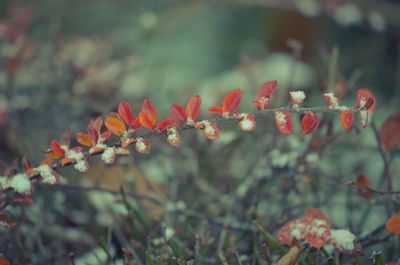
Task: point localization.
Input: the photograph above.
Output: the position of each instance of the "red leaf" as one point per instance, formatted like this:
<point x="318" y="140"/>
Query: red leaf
<point x="148" y="115"/>
<point x="363" y="181"/>
<point x="390" y="132"/>
<point x="365" y="100"/>
<point x="215" y="109"/>
<point x="93" y="129"/>
<point x="7" y="222"/>
<point x="292" y="230"/>
<point x="393" y="225"/>
<point x="124" y="109"/>
<point x="318" y="235"/>
<point x="231" y="101"/>
<point x="265" y="94"/>
<point x="309" y="123"/>
<point x="178" y="112"/>
<point x="283" y="121"/>
<point x="21" y="198"/>
<point x="27" y="165"/>
<point x="267" y="88"/>
<point x="166" y="123"/>
<point x="56" y="149"/>
<point x="193" y="107"/>
<point x="347" y="119"/>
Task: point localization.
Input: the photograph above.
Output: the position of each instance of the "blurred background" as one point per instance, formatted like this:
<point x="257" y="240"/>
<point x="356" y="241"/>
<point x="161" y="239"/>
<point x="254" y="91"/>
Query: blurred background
<point x="64" y="62"/>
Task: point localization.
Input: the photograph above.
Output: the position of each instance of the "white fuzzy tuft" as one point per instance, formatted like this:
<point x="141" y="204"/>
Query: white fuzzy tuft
<point x="75" y="155"/>
<point x="208" y="128"/>
<point x="108" y="155"/>
<point x="343" y="239"/>
<point x="140" y="145"/>
<point x="20" y="183"/>
<point x="332" y="99"/>
<point x="281" y="118"/>
<point x="47" y="174"/>
<point x="81" y="165"/>
<point x="297" y="96"/>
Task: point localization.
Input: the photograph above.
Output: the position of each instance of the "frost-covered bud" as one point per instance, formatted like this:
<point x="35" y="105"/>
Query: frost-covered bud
<point x="20" y="183"/>
<point x="173" y="137"/>
<point x="75" y="155"/>
<point x="210" y="130"/>
<point x="81" y="165"/>
<point x="283" y="121"/>
<point x="143" y="145"/>
<point x="343" y="240"/>
<point x="247" y="122"/>
<point x="47" y="174"/>
<point x="332" y="100"/>
<point x="297" y="98"/>
<point x="108" y="156"/>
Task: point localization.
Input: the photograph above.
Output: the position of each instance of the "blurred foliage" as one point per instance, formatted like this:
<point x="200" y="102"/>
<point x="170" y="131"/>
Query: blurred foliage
<point x="73" y="60"/>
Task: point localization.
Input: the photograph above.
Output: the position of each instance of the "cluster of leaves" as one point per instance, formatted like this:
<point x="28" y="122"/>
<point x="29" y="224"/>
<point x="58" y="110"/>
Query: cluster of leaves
<point x="124" y="125"/>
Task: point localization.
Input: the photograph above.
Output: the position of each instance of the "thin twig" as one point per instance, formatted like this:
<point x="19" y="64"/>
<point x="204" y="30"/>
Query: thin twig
<point x="386" y="165"/>
<point x="369" y="189"/>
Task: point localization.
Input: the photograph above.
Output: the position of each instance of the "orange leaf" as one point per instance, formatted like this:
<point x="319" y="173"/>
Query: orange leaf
<point x="193" y="107"/>
<point x="231" y="101"/>
<point x="84" y="139"/>
<point x="3" y="261"/>
<point x="93" y="129"/>
<point x="67" y="161"/>
<point x="390" y="132"/>
<point x="56" y="150"/>
<point x="148" y="115"/>
<point x="363" y="181"/>
<point x="347" y="119"/>
<point x="393" y="225"/>
<point x="115" y="124"/>
<point x="315" y="213"/>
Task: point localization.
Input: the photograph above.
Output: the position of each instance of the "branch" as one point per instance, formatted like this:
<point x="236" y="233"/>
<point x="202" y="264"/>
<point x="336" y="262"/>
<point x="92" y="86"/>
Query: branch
<point x="186" y="126"/>
<point x="372" y="190"/>
<point x="386" y="165"/>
